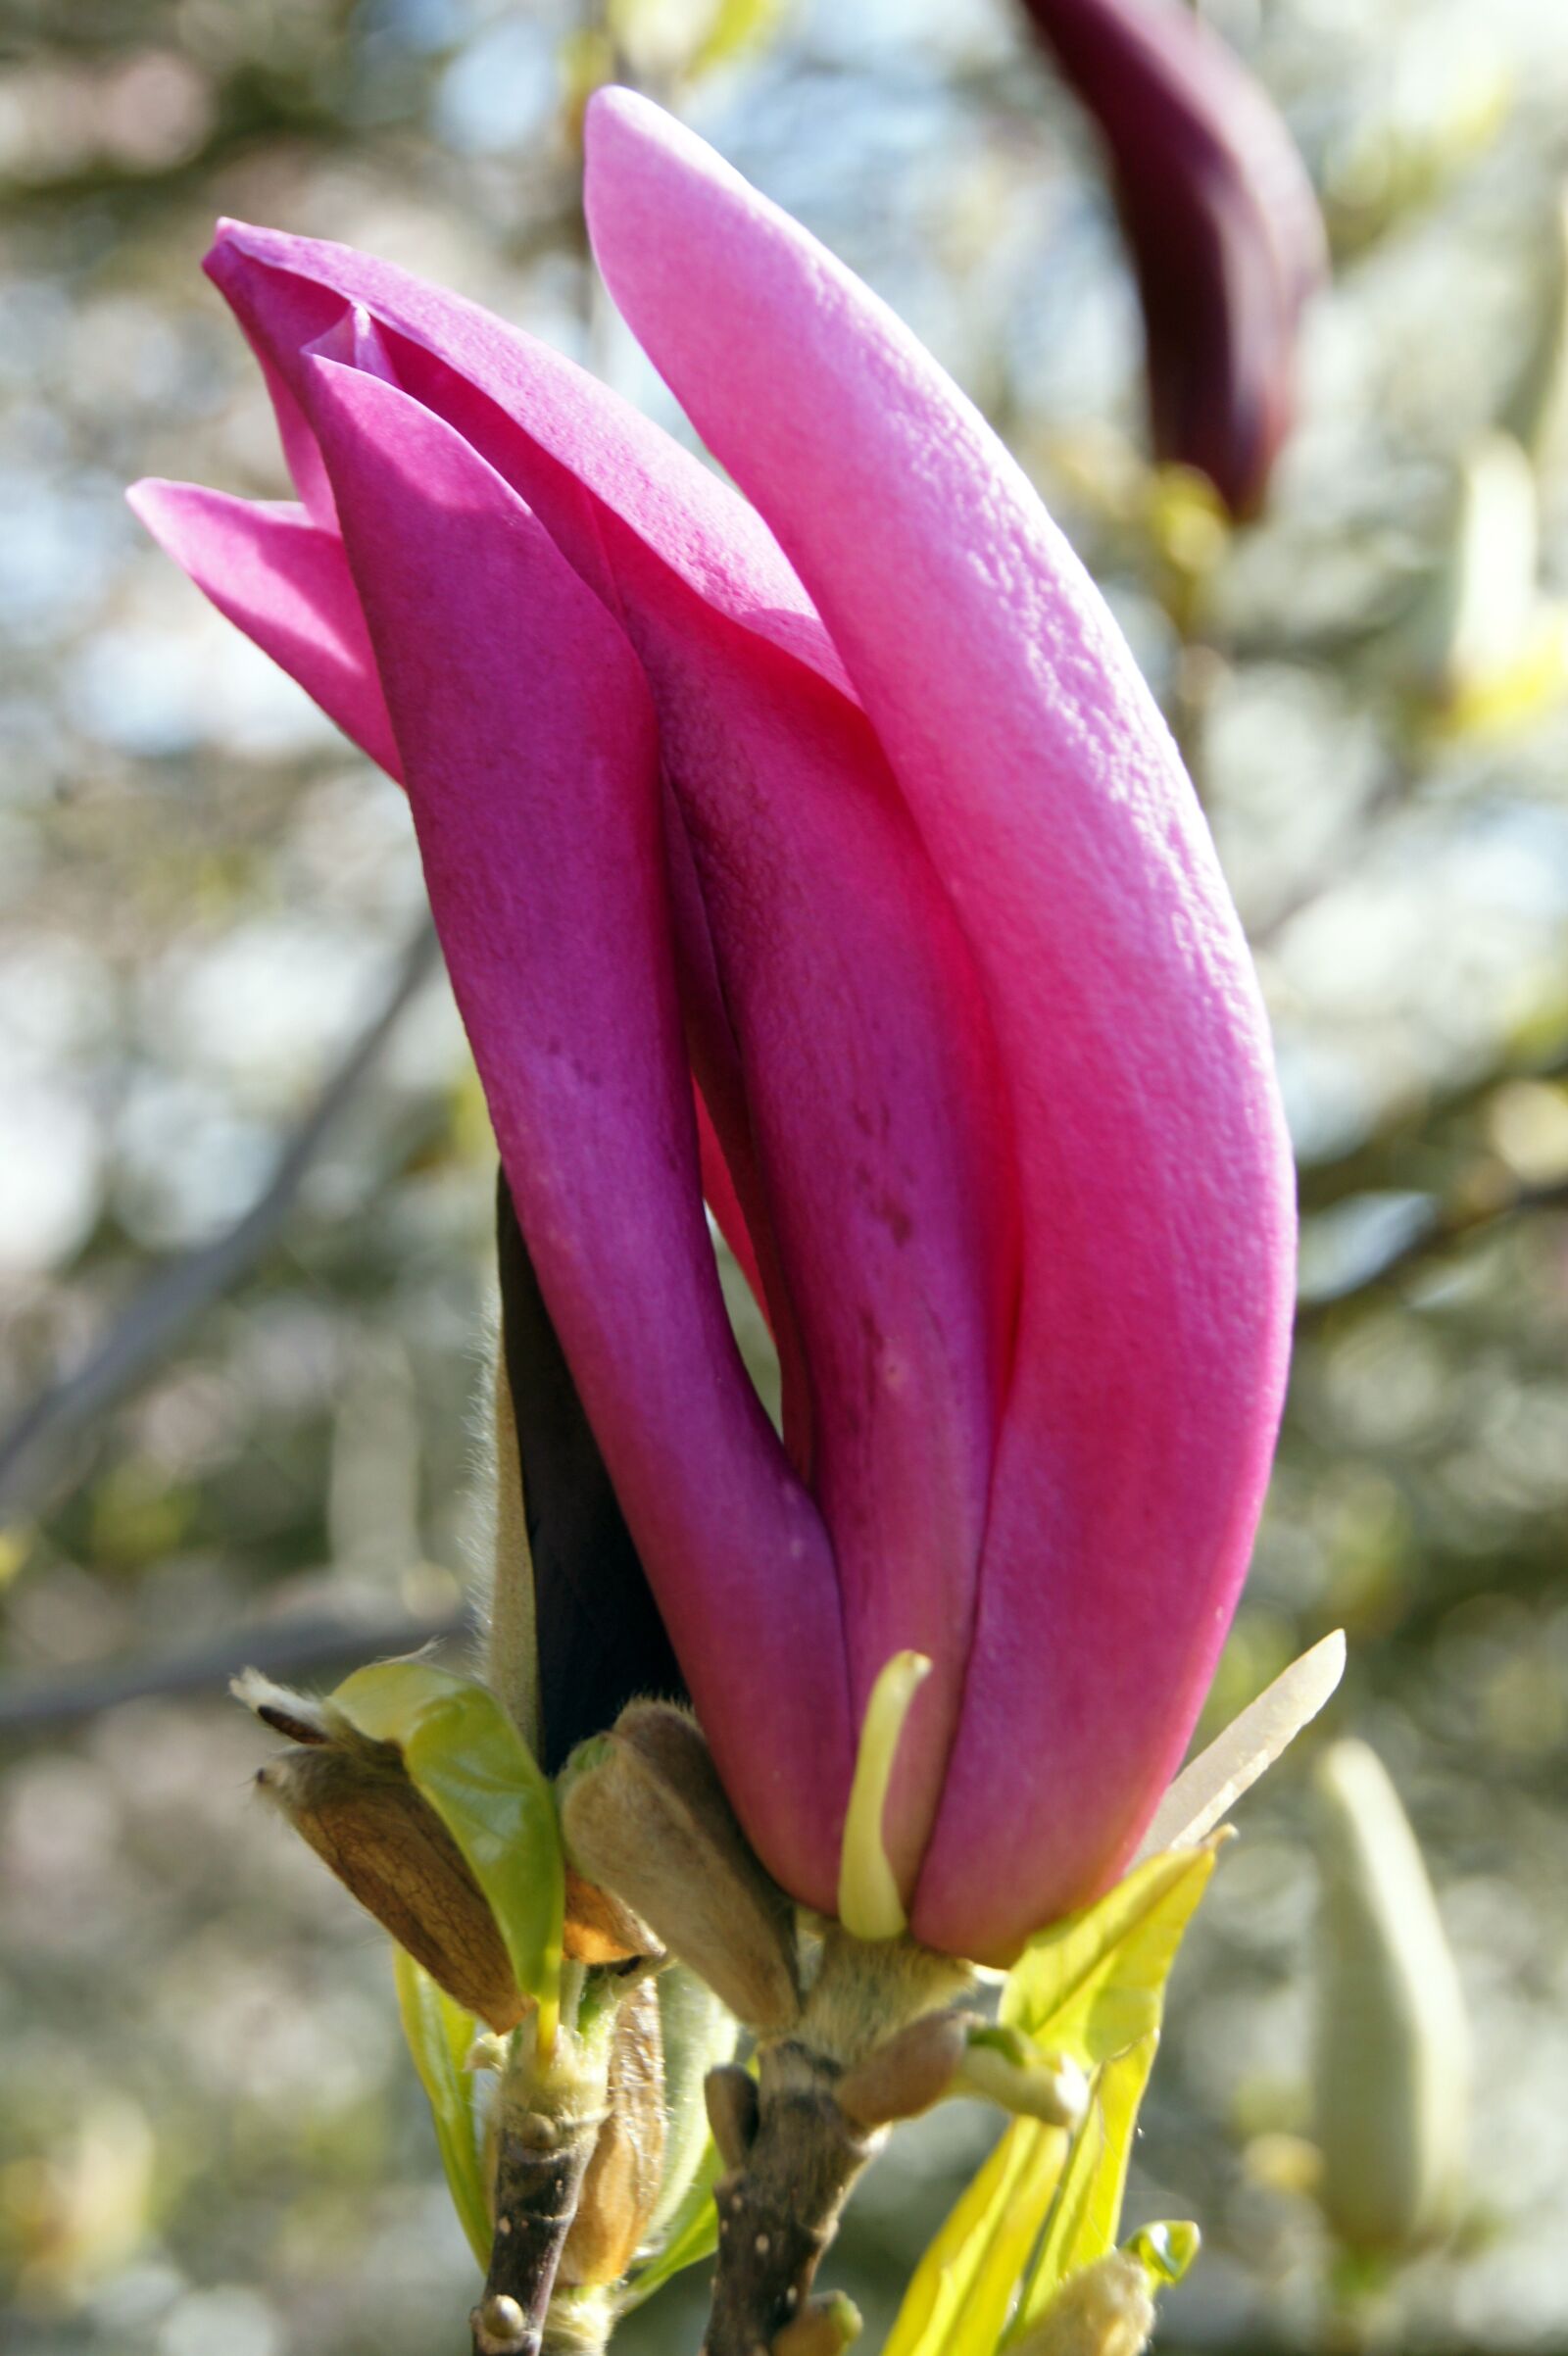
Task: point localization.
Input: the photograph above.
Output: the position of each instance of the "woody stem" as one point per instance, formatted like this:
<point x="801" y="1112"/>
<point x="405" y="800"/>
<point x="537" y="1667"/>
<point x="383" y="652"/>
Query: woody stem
<point x="549" y="2112"/>
<point x="795" y="2159"/>
<point x="778" y="2211"/>
<point x="540" y="2166"/>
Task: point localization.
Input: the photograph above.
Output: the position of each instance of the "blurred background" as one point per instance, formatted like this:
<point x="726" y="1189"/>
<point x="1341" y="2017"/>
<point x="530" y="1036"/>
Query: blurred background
<point x="245" y="1173"/>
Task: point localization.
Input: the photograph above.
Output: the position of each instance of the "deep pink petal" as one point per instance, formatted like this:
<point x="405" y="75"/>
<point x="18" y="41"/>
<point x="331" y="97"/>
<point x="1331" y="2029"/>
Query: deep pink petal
<point x="286" y="583"/>
<point x="1155" y="1176"/>
<point x="288" y="291"/>
<point x="530" y="753"/>
<point x="833" y="1015"/>
<point x="870" y="1092"/>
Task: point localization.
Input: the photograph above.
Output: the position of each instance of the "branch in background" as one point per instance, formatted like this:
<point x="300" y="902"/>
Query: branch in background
<point x="325" y="1639"/>
<point x="1364" y="1167"/>
<point x="165" y="1308"/>
<point x="1454" y="1223"/>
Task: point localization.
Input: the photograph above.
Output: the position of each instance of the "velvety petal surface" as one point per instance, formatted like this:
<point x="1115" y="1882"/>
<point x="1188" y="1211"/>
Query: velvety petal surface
<point x="288" y="291"/>
<point x="529" y="750"/>
<point x="1148" y="1148"/>
<point x="833" y="1011"/>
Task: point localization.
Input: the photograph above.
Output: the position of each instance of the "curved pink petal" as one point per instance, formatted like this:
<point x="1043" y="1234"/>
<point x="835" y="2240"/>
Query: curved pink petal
<point x="531" y="753"/>
<point x="288" y="291"/>
<point x="834" y="1016"/>
<point x="285" y="582"/>
<point x="1152" y="1168"/>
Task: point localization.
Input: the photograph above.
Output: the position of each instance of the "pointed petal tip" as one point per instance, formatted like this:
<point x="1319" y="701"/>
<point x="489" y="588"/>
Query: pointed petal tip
<point x="625" y="135"/>
<point x="162" y="506"/>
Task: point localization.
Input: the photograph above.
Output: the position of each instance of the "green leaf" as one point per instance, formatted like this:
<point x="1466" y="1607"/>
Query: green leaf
<point x="693" y="2232"/>
<point x="1087" y="2209"/>
<point x="961" y="2290"/>
<point x="465" y="1756"/>
<point x="1093" y="1985"/>
<point x="1091" y="1990"/>
<point x="440" y="2035"/>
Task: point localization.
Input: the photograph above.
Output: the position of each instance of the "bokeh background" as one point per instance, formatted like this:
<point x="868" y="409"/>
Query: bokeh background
<point x="245" y="1175"/>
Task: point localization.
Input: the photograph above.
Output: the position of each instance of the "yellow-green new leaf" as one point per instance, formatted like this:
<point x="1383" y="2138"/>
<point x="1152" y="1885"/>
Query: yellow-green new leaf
<point x="465" y="1756"/>
<point x="1088" y="2206"/>
<point x="439" y="2035"/>
<point x="1093" y="1985"/>
<point x="958" y="2297"/>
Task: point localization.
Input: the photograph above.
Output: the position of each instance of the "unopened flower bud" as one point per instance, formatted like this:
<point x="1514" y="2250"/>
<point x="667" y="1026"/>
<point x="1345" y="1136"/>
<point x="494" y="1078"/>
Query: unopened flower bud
<point x="1103" y="2310"/>
<point x="620" y="2189"/>
<point x="1392" y="2073"/>
<point x="364" y="1818"/>
<point x="644" y="1815"/>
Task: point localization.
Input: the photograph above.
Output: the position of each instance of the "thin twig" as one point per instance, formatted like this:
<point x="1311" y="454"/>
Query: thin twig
<point x="28" y="1451"/>
<point x="1458" y="1223"/>
<point x="1363" y="1168"/>
<point x="319" y="1641"/>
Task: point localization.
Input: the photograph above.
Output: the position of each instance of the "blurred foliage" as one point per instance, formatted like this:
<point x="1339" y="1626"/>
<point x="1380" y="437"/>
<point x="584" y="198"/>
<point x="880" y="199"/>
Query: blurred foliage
<point x="210" y="2144"/>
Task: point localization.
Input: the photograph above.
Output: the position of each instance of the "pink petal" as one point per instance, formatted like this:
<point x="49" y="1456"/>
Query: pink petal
<point x="833" y="1013"/>
<point x="286" y="584"/>
<point x="288" y="291"/>
<point x="871" y="1095"/>
<point x="531" y="758"/>
<point x="1152" y="1163"/>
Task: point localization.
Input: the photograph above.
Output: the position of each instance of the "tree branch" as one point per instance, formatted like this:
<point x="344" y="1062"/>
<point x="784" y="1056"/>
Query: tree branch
<point x="167" y="1305"/>
<point x="1458" y="1223"/>
<point x="322" y="1640"/>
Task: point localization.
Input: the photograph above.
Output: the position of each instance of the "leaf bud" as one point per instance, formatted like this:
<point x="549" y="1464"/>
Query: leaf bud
<point x="620" y="2189"/>
<point x="364" y="1818"/>
<point x="500" y="2326"/>
<point x="907" y="2073"/>
<point x="1007" y="2068"/>
<point x="645" y="1816"/>
<point x="946" y="2053"/>
<point x="824" y="2327"/>
<point x="1104" y="2309"/>
<point x="730" y="2098"/>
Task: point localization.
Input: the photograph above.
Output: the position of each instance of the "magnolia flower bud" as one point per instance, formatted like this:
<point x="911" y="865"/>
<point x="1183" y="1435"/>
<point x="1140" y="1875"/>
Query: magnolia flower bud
<point x="364" y="1818"/>
<point x="644" y="1815"/>
<point x="1103" y="2310"/>
<point x="622" y="2188"/>
<point x="1392" y="2077"/>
